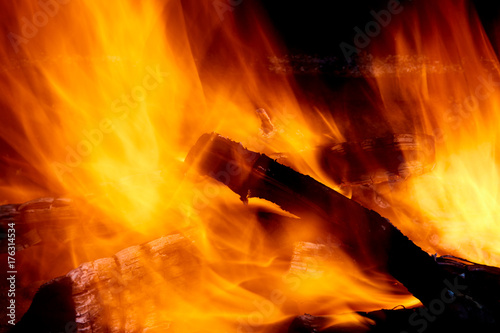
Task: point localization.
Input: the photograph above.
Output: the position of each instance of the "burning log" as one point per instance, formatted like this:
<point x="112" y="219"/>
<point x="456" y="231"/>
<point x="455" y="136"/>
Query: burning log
<point x="372" y="161"/>
<point x="99" y="296"/>
<point x="37" y="219"/>
<point x="368" y="237"/>
<point x="364" y="65"/>
<point x="482" y="283"/>
<point x="386" y="321"/>
<point x="259" y="176"/>
<point x="48" y="220"/>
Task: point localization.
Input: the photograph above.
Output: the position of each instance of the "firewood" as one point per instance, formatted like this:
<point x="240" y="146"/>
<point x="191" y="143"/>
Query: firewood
<point x="368" y="237"/>
<point x="101" y="295"/>
<point x="39" y="219"/>
<point x="482" y="281"/>
<point x="380" y="321"/>
<point x="50" y="220"/>
<point x="105" y="295"/>
<point x="371" y="161"/>
<point x="399" y="320"/>
<point x="364" y="65"/>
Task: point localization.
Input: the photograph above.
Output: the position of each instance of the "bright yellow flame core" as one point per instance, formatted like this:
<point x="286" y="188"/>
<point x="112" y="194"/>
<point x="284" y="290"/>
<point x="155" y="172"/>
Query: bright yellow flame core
<point x="108" y="98"/>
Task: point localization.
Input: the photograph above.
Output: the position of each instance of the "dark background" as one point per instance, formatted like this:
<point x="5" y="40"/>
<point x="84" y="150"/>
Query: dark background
<point x="318" y="27"/>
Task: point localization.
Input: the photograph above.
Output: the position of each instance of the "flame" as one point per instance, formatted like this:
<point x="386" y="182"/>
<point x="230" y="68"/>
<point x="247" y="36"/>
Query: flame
<point x="102" y="102"/>
<point x="447" y="74"/>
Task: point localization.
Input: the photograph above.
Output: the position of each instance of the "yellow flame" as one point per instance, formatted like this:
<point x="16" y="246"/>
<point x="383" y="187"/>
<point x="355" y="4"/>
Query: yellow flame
<point x="448" y="75"/>
<point x="103" y="100"/>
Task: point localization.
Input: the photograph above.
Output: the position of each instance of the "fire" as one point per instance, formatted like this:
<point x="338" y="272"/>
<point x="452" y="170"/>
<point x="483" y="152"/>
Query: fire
<point x="448" y="76"/>
<point x="103" y="101"/>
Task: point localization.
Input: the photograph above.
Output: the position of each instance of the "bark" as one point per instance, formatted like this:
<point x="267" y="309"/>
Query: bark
<point x="387" y="159"/>
<point x="482" y="282"/>
<point x="43" y="219"/>
<point x="103" y="295"/>
<point x="369" y="238"/>
<point x="115" y="294"/>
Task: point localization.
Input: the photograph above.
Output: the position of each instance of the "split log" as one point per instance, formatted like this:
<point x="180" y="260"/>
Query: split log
<point x="371" y="161"/>
<point x="43" y="218"/>
<point x="46" y="229"/>
<point x="98" y="296"/>
<point x="482" y="281"/>
<point x="364" y="65"/>
<point x="483" y="284"/>
<point x="368" y="237"/>
<point x="380" y="321"/>
<point x="115" y="294"/>
<point x="50" y="220"/>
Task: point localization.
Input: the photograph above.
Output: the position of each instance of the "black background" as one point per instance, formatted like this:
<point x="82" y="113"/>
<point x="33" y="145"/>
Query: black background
<point x="318" y="27"/>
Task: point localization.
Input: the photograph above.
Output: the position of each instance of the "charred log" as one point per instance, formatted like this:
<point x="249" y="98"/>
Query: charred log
<point x="99" y="295"/>
<point x="43" y="219"/>
<point x="368" y="237"/>
<point x="391" y="158"/>
<point x="104" y="295"/>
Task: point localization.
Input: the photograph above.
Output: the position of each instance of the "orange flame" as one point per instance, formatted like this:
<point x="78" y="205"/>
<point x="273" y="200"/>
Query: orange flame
<point x="102" y="102"/>
<point x="444" y="82"/>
